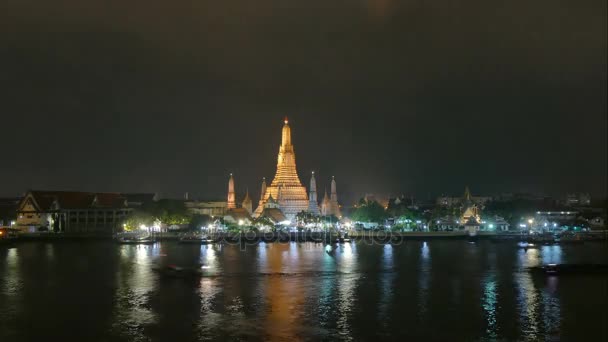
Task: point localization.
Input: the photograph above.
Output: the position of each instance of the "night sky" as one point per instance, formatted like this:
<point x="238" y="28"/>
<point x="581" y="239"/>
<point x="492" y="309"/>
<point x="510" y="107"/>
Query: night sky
<point x="390" y="96"/>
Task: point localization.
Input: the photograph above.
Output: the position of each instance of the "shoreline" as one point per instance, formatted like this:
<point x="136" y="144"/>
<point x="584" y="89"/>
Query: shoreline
<point x="330" y="237"/>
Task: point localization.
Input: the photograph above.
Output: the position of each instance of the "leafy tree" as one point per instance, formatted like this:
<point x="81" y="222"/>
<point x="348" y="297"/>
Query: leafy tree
<point x="233" y="228"/>
<point x="166" y="211"/>
<point x="136" y="219"/>
<point x="263" y="221"/>
<point x="513" y="210"/>
<point x="369" y="211"/>
<point x="169" y="211"/>
<point x="397" y="210"/>
<point x="305" y="217"/>
<point x="440" y="211"/>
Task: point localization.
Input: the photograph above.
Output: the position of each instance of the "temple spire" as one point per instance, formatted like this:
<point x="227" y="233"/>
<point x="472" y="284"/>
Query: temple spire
<point x="334" y="193"/>
<point x="313" y="188"/>
<point x="313" y="206"/>
<point x="247" y="203"/>
<point x="467" y="194"/>
<point x="260" y="207"/>
<point x="263" y="187"/>
<point x="334" y="207"/>
<point x="231" y="197"/>
<point x="246" y="194"/>
<point x="286" y="134"/>
<point x="325" y="206"/>
<point x="293" y="197"/>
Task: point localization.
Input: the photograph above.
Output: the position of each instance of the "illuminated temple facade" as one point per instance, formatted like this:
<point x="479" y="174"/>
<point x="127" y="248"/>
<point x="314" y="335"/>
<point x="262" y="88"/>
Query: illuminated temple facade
<point x="286" y="187"/>
<point x="471" y="210"/>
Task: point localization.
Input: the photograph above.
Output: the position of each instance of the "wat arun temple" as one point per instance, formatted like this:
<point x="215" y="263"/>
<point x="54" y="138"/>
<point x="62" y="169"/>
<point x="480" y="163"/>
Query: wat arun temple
<point x="286" y="191"/>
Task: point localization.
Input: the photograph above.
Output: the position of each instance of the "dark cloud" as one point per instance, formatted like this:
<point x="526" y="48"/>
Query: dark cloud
<point x="389" y="96"/>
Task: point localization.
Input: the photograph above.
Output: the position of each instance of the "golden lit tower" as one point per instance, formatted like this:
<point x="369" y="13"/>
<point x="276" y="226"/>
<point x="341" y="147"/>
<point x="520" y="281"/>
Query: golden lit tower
<point x="231" y="196"/>
<point x="292" y="198"/>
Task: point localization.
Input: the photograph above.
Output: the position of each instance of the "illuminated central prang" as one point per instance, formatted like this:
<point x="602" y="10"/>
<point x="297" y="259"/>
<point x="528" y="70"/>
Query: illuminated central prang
<point x="286" y="187"/>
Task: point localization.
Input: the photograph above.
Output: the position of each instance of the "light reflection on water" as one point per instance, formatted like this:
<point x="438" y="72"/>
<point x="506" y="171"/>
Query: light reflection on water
<point x="346" y="292"/>
<point x="551" y="307"/>
<point x="539" y="306"/>
<point x="540" y="255"/>
<point x="348" y="280"/>
<point x="327" y="292"/>
<point x="347" y="258"/>
<point x="424" y="279"/>
<point x="528" y="302"/>
<point x="489" y="302"/>
<point x="282" y="293"/>
<point x="11" y="275"/>
<point x="490" y="297"/>
<point x="10" y="297"/>
<point x="209" y="289"/>
<point x="50" y="252"/>
<point x="136" y="282"/>
<point x="209" y="258"/>
<point x="299" y="291"/>
<point x="530" y="258"/>
<point x="551" y="254"/>
<point x="386" y="283"/>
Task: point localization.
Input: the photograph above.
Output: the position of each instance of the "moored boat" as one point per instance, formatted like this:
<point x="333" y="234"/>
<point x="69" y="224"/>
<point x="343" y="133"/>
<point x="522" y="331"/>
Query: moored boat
<point x="136" y="241"/>
<point x="8" y="236"/>
<point x="196" y="239"/>
<point x="174" y="271"/>
<point x="527" y="245"/>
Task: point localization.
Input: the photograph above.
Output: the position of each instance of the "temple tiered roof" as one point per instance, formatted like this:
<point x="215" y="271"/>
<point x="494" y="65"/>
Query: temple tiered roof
<point x="286" y="187"/>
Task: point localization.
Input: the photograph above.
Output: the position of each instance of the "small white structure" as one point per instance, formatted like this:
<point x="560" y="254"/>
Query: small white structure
<point x="496" y="223"/>
<point x="471" y="226"/>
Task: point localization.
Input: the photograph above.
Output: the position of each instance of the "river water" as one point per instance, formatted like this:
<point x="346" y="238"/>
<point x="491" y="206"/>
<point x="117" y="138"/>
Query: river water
<point x="434" y="290"/>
